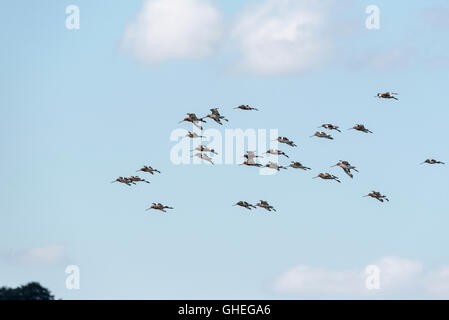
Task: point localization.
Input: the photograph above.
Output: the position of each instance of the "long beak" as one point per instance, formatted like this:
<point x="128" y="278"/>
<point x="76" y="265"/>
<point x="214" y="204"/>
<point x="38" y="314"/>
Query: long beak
<point x="351" y="129"/>
<point x="315" y="177"/>
<point x="113" y="181"/>
<point x="423" y="162"/>
<point x="334" y="166"/>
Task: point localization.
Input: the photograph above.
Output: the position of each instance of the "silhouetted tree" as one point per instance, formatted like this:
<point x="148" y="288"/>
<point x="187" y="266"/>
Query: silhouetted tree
<point x="30" y="291"/>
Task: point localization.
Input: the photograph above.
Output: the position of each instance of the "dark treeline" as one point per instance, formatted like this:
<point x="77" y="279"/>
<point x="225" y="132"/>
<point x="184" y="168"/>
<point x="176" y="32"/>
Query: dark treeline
<point x="30" y="291"/>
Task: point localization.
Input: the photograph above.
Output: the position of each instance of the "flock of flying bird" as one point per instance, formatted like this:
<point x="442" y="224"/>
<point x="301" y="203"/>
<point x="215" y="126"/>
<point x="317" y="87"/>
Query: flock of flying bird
<point x="251" y="156"/>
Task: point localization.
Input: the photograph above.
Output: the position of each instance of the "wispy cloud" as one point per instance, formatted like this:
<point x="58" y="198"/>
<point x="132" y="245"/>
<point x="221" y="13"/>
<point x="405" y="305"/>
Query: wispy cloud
<point x="38" y="256"/>
<point x="281" y="36"/>
<point x="171" y="29"/>
<point x="397" y="276"/>
<point x="270" y="37"/>
<point x="437" y="282"/>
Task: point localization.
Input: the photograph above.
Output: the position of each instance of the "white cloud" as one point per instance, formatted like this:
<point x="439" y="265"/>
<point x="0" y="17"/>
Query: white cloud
<point x="42" y="255"/>
<point x="437" y="282"/>
<point x="305" y="280"/>
<point x="282" y="36"/>
<point x="397" y="276"/>
<point x="170" y="29"/>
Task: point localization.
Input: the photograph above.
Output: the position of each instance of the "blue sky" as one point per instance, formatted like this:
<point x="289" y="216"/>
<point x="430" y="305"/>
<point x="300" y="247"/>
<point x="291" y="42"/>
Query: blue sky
<point x="79" y="108"/>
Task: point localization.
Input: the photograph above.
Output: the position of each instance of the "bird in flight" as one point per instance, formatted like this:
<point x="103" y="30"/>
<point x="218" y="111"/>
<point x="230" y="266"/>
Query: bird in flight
<point x="377" y="195"/>
<point x="203" y="156"/>
<point x="250" y="164"/>
<point x="202" y="148"/>
<point x="276" y="152"/>
<point x="286" y="141"/>
<point x="137" y="179"/>
<point x="432" y="161"/>
<point x="251" y="155"/>
<point x="245" y="204"/>
<point x="264" y="204"/>
<point x="329" y="126"/>
<point x="148" y="169"/>
<point x="158" y="206"/>
<point x="346" y="166"/>
<point x="360" y="127"/>
<point x="298" y="165"/>
<point x="123" y="180"/>
<point x="321" y="134"/>
<point x="216" y="116"/>
<point x="387" y="95"/>
<point x="274" y="166"/>
<point x="194" y="135"/>
<point x="194" y="119"/>
<point x="327" y="176"/>
<point x="246" y="107"/>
